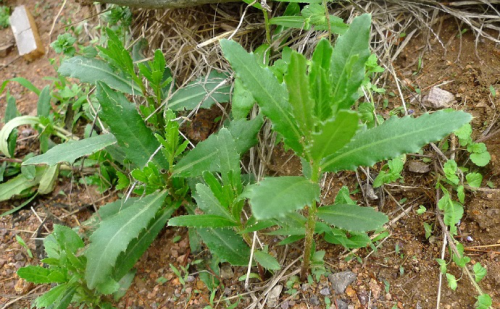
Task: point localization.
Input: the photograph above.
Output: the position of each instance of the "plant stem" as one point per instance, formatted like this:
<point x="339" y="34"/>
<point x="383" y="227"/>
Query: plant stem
<point x="268" y="28"/>
<point x="310" y="227"/>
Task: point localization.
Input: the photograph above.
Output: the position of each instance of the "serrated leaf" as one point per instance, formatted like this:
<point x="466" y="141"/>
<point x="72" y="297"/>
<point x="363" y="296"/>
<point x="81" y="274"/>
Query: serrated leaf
<point x="266" y="260"/>
<point x="138" y="246"/>
<point x="352" y="217"/>
<point x="479" y="272"/>
<point x="245" y="132"/>
<point x="271" y="96"/>
<point x="67" y="239"/>
<point x="442" y="265"/>
<point x="70" y="151"/>
<point x="202" y="221"/>
<point x="9" y="127"/>
<point x="50" y="297"/>
<point x="132" y="134"/>
<point x="197" y="93"/>
<point x="334" y="134"/>
<point x="349" y="56"/>
<point x="204" y="157"/>
<point x="319" y="80"/>
<point x="299" y="96"/>
<point x="91" y="71"/>
<point x="474" y="179"/>
<point x="114" y="236"/>
<point x="37" y="274"/>
<point x="207" y="202"/>
<point x="226" y="245"/>
<point x="393" y="138"/>
<point x="275" y="197"/>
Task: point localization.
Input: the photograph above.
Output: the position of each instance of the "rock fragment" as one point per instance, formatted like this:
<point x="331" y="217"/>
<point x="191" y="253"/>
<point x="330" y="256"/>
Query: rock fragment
<point x="341" y="280"/>
<point x="29" y="43"/>
<point x="439" y="98"/>
<point x="418" y="167"/>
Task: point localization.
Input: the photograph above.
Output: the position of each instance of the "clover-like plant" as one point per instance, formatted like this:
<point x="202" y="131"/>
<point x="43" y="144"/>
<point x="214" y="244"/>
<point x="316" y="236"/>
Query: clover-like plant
<point x="311" y="110"/>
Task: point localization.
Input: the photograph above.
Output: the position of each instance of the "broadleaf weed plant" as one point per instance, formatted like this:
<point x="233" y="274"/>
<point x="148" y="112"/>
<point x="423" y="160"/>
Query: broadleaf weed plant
<point x="311" y="110"/>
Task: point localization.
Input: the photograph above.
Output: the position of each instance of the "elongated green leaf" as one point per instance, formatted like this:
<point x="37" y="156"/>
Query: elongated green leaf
<point x="242" y="101"/>
<point x="132" y="134"/>
<point x="202" y="221"/>
<point x="43" y="105"/>
<point x="229" y="159"/>
<point x="114" y="236"/>
<point x="319" y="80"/>
<point x="206" y="201"/>
<point x="348" y="61"/>
<point x="227" y="245"/>
<point x="50" y="297"/>
<point x="115" y="207"/>
<point x="138" y="246"/>
<point x="275" y="197"/>
<point x="23" y="81"/>
<point x="205" y="157"/>
<point x="70" y="151"/>
<point x="334" y="134"/>
<point x="36" y="274"/>
<point x="48" y="180"/>
<point x="9" y="127"/>
<point x="18" y="184"/>
<point x="393" y="138"/>
<point x="92" y="71"/>
<point x="288" y="21"/>
<point x="271" y="96"/>
<point x="245" y="132"/>
<point x="299" y="96"/>
<point x="266" y="260"/>
<point x="197" y="93"/>
<point x="202" y="158"/>
<point x="66" y="298"/>
<point x="352" y="217"/>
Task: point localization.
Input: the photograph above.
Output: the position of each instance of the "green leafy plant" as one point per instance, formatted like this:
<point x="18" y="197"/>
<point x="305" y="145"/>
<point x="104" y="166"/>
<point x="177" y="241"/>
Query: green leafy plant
<point x="311" y="111"/>
<point x="64" y="44"/>
<point x="66" y="268"/>
<point x="4" y="16"/>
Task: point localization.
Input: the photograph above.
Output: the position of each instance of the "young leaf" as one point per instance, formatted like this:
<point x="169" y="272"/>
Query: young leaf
<point x="275" y="197"/>
<point x="352" y="217"/>
<point x="299" y="94"/>
<point x="266" y="260"/>
<point x="266" y="90"/>
<point x="132" y="134"/>
<point x="226" y="245"/>
<point x="91" y="71"/>
<point x="349" y="56"/>
<point x="202" y="221"/>
<point x="479" y="272"/>
<point x="474" y="179"/>
<point x="197" y="93"/>
<point x="229" y="160"/>
<point x="51" y="297"/>
<point x="452" y="281"/>
<point x="114" y="236"/>
<point x="70" y="151"/>
<point x="319" y="80"/>
<point x="334" y="134"/>
<point x="483" y="302"/>
<point x="393" y="138"/>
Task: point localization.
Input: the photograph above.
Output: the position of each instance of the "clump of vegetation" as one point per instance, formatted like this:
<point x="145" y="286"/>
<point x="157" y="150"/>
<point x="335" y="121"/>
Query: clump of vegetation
<point x="4" y="16"/>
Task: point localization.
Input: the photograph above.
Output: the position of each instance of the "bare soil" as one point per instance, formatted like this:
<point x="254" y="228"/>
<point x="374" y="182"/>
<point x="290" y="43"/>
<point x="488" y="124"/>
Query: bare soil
<point x="401" y="273"/>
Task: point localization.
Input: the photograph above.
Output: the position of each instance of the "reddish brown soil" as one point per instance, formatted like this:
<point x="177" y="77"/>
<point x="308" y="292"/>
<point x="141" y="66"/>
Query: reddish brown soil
<point x="402" y="273"/>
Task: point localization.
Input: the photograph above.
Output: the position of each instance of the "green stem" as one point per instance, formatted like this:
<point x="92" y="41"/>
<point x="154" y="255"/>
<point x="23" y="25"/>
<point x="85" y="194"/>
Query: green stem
<point x="310" y="227"/>
<point x="268" y="28"/>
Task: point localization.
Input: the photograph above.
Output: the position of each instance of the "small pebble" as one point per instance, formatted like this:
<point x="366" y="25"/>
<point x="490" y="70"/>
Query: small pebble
<point x="325" y="291"/>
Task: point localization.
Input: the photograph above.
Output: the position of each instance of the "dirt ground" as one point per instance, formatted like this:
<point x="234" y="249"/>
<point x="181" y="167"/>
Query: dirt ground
<point x="401" y="273"/>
